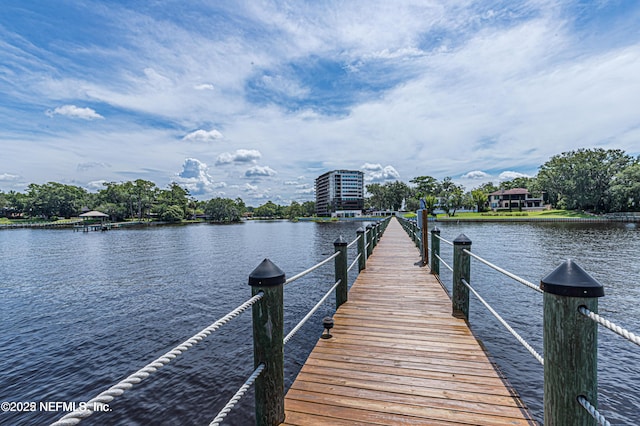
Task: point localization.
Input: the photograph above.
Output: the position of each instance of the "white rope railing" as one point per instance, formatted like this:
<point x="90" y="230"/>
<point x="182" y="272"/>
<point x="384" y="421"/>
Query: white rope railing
<point x="504" y="271"/>
<point x="505" y="324"/>
<point x="313" y="268"/>
<point x="354" y="241"/>
<point x="611" y="326"/>
<point x="592" y="410"/>
<point x="310" y="313"/>
<point x="443" y="240"/>
<point x="118" y="389"/>
<point x="444" y="263"/>
<point x="237" y="396"/>
<point x="354" y="262"/>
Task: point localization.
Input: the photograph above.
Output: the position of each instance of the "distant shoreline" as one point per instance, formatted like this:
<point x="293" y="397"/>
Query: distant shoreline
<point x="538" y="219"/>
<point x="454" y="219"/>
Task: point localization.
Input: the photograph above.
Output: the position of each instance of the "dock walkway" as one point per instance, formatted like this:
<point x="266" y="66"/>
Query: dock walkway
<point x="398" y="356"/>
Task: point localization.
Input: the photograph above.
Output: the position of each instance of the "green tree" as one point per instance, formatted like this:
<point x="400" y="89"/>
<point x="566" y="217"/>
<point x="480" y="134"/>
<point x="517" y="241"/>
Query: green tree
<point x="115" y="200"/>
<point x="143" y="195"/>
<point x="377" y="196"/>
<point x="55" y="199"/>
<point x="431" y="201"/>
<point x="582" y="179"/>
<point x="16" y="203"/>
<point x="388" y="196"/>
<point x="175" y="198"/>
<point x="625" y="191"/>
<point x="294" y="210"/>
<point x="451" y="196"/>
<point x="172" y="214"/>
<point x="488" y="188"/>
<point x="268" y="210"/>
<point x="308" y="208"/>
<point x="480" y="199"/>
<point x="222" y="210"/>
<point x="425" y="185"/>
<point x="4" y="203"/>
<point x="397" y="192"/>
<point x="412" y="204"/>
<point x="519" y="182"/>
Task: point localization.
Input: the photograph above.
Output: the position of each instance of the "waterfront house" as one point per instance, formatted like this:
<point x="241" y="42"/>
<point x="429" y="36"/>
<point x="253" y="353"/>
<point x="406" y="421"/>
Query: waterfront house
<point x="516" y="198"/>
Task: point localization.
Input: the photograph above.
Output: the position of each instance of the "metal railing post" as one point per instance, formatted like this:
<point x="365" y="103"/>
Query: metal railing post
<point x="369" y="239"/>
<point x="340" y="262"/>
<point x="570" y="345"/>
<point x="268" y="346"/>
<point x="362" y="261"/>
<point x="461" y="270"/>
<point x="435" y="251"/>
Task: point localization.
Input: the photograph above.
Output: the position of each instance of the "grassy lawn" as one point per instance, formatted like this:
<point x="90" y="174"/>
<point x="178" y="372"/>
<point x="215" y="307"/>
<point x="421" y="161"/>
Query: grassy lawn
<point x="551" y="214"/>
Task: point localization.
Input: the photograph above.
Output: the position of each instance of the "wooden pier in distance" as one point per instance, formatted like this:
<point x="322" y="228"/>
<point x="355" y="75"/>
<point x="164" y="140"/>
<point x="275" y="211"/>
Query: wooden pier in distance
<point x="398" y="356"/>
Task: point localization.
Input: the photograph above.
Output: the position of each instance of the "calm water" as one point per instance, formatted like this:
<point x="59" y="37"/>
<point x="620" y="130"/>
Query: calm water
<point x="608" y="252"/>
<point x="81" y="311"/>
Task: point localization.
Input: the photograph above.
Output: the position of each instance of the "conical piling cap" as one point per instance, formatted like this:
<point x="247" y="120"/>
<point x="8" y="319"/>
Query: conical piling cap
<point x="340" y="241"/>
<point x="266" y="274"/>
<point x="570" y="280"/>
<point x="462" y="240"/>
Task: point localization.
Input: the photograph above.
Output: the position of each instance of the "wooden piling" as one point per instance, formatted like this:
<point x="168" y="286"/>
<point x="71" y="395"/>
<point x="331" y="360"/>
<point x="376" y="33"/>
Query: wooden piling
<point x="268" y="346"/>
<point x="341" y="274"/>
<point x="461" y="270"/>
<point x="570" y="345"/>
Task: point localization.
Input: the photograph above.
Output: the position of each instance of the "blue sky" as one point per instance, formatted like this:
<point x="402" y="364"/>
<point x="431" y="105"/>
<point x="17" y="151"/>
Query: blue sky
<point x="256" y="99"/>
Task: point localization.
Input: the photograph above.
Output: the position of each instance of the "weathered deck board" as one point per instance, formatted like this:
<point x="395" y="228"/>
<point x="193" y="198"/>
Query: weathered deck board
<point x="398" y="356"/>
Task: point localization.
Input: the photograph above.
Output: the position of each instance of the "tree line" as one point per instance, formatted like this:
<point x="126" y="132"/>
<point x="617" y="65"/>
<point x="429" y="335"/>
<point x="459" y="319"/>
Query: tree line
<point x="135" y="200"/>
<point x="595" y="180"/>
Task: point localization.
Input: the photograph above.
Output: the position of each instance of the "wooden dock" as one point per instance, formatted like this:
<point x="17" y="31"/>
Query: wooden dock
<point x="398" y="356"/>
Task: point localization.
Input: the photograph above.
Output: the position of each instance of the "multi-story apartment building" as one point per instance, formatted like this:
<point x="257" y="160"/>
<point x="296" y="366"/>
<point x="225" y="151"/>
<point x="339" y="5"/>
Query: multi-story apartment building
<point x="340" y="193"/>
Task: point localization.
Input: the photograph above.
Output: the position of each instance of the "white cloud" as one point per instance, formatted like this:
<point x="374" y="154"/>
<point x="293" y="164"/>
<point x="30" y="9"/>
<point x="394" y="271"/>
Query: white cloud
<point x="8" y="177"/>
<point x="74" y="112"/>
<point x="377" y="173"/>
<point x="96" y="185"/>
<point x="204" y="86"/>
<point x="250" y="188"/>
<point x="459" y="86"/>
<point x="509" y="175"/>
<point x="260" y="171"/>
<point x="195" y="177"/>
<point x="203" y="136"/>
<point x="283" y="86"/>
<point x="255" y="194"/>
<point x="475" y="175"/>
<point x="307" y="190"/>
<point x="299" y="182"/>
<point x="240" y="156"/>
<point x="92" y="165"/>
